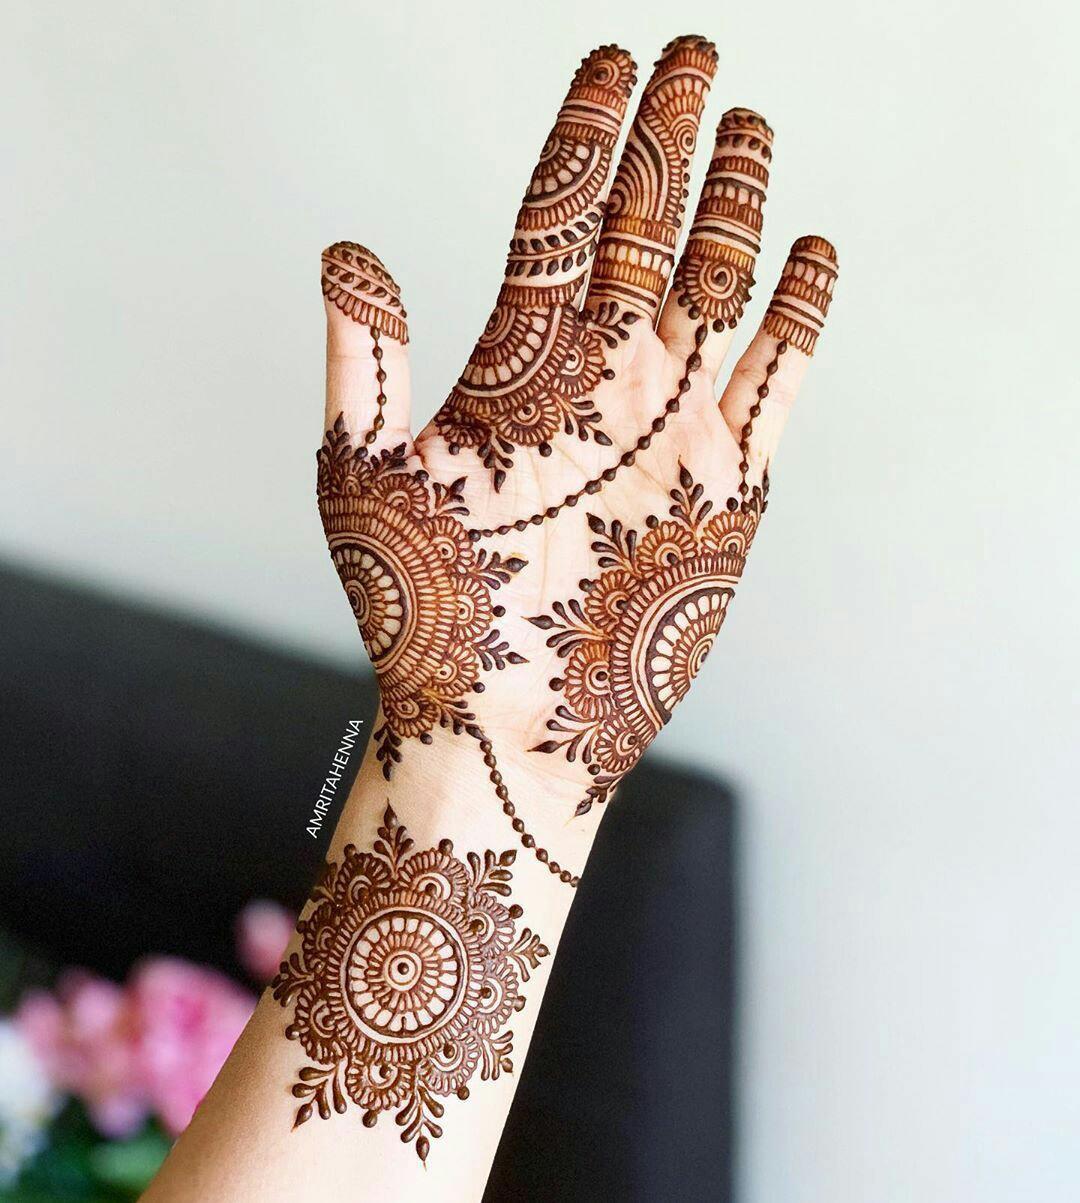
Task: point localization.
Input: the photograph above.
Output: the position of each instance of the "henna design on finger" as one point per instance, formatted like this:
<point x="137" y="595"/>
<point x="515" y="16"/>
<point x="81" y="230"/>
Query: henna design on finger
<point x="715" y="274"/>
<point x="419" y="588"/>
<point x="408" y="971"/>
<point x="356" y="282"/>
<point x="801" y="301"/>
<point x="633" y="644"/>
<point x="559" y="220"/>
<point x="645" y="210"/>
<point x="537" y="364"/>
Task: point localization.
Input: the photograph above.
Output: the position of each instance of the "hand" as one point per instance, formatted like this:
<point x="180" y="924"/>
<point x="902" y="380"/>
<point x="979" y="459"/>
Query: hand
<point x="544" y="568"/>
<point x="537" y="577"/>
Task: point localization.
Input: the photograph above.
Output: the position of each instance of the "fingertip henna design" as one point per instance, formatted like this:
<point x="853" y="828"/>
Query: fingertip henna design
<point x="355" y="280"/>
<point x="419" y="587"/>
<point x="410" y="965"/>
<point x="645" y="209"/>
<point x="715" y="274"/>
<point x="797" y="311"/>
<point x="634" y="642"/>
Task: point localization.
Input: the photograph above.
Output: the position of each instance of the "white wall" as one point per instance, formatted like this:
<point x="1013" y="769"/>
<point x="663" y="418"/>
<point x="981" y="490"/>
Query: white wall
<point x="896" y="690"/>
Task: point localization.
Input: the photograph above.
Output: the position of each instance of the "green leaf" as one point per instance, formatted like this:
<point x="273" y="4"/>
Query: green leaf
<point x="130" y="1164"/>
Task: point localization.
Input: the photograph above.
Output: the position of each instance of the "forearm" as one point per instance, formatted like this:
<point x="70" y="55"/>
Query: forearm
<point x="397" y="1049"/>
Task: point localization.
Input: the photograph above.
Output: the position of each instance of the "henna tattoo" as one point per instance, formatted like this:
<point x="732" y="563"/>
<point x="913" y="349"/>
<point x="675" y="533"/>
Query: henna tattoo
<point x="635" y="642"/>
<point x="715" y="274"/>
<point x="801" y="300"/>
<point x="559" y="220"/>
<point x="637" y="249"/>
<point x="409" y="968"/>
<point x="626" y="459"/>
<point x="355" y="280"/>
<point x="531" y="375"/>
<point x="420" y="590"/>
<point x="537" y="364"/>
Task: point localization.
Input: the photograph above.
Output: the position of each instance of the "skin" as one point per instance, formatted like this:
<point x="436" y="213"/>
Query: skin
<point x="645" y="448"/>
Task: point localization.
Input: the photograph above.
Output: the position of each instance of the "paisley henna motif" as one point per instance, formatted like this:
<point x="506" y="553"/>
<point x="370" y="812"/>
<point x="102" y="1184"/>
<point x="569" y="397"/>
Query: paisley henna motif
<point x="409" y="968"/>
<point x="801" y="300"/>
<point x="537" y="364"/>
<point x="417" y="583"/>
<point x="635" y="255"/>
<point x="636" y="640"/>
<point x="715" y="274"/>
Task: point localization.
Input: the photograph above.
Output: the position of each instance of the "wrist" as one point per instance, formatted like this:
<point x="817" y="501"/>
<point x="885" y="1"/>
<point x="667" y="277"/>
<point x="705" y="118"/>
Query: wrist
<point x="448" y="790"/>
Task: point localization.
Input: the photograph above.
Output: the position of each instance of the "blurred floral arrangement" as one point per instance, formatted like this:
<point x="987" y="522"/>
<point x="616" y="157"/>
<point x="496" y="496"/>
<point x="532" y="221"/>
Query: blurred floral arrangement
<point x="97" y="1079"/>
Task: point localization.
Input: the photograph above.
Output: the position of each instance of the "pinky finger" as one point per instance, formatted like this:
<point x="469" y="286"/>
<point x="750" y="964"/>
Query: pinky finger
<point x="762" y="389"/>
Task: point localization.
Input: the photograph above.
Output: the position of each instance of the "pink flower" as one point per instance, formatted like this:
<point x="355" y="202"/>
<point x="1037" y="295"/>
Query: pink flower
<point x="263" y="930"/>
<point x="151" y="1047"/>
<point x="85" y="1039"/>
<point x="188" y="1019"/>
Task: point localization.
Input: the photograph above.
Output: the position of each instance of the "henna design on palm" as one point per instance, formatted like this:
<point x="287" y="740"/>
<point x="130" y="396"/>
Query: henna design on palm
<point x="410" y="966"/>
<point x="420" y="590"/>
<point x="452" y="556"/>
<point x="633" y="645"/>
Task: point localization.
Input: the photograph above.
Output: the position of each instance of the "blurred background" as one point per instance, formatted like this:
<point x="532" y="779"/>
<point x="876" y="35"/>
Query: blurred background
<point x="889" y="724"/>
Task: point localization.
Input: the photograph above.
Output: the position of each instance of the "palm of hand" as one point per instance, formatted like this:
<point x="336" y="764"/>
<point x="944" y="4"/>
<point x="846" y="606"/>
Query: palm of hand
<point x="553" y="556"/>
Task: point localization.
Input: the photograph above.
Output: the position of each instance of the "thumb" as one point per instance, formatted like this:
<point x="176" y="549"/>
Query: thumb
<point x="367" y="363"/>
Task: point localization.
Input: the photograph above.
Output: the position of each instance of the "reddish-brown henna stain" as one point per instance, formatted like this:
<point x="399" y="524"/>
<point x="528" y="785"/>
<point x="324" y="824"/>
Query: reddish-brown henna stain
<point x="537" y="364"/>
<point x="645" y="210"/>
<point x="408" y="971"/>
<point x="634" y="642"/>
<point x="715" y="274"/>
<point x="420" y="589"/>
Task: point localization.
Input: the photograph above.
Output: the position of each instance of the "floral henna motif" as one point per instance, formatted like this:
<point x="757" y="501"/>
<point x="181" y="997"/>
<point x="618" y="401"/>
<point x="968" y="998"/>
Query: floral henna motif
<point x="418" y="585"/>
<point x="636" y="253"/>
<point x="715" y="274"/>
<point x="538" y="362"/>
<point x="409" y="968"/>
<point x="636" y="640"/>
<point x="531" y="375"/>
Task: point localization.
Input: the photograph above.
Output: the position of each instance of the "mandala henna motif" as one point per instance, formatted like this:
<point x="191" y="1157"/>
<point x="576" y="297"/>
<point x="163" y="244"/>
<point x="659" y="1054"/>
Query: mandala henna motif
<point x="417" y="583"/>
<point x="535" y="367"/>
<point x="715" y="274"/>
<point x="635" y="255"/>
<point x="801" y="300"/>
<point x="409" y="968"/>
<point x="634" y="643"/>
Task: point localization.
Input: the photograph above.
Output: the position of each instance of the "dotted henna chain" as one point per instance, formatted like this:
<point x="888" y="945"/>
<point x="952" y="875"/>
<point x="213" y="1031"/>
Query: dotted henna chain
<point x="380" y="401"/>
<point x="593" y="486"/>
<point x="755" y="411"/>
<point x="510" y="810"/>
